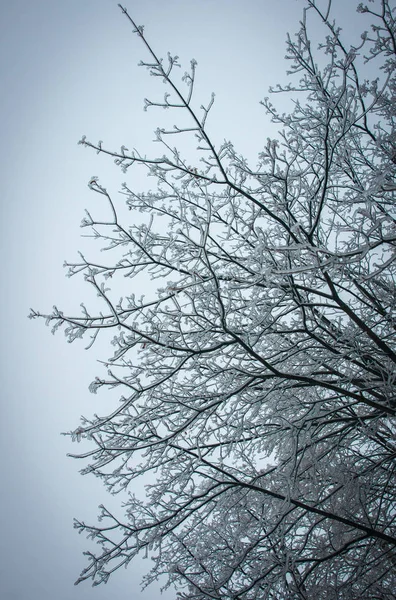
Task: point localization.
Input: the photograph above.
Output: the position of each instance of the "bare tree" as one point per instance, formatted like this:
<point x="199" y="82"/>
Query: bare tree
<point x="259" y="381"/>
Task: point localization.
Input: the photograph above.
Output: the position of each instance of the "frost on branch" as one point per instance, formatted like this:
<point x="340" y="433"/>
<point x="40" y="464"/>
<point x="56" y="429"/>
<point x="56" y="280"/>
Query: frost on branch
<point x="259" y="381"/>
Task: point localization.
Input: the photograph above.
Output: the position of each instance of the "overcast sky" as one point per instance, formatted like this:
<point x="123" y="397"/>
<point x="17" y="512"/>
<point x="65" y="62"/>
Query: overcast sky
<point x="68" y="69"/>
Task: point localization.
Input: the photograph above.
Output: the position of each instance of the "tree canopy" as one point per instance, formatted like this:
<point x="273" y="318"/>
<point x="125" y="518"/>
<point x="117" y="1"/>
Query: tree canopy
<point x="258" y="382"/>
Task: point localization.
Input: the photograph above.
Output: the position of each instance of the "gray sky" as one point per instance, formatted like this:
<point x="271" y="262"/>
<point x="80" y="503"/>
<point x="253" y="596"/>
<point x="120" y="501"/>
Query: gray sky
<point x="68" y="69"/>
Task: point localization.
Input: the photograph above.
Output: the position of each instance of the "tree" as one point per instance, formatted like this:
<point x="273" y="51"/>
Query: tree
<point x="259" y="381"/>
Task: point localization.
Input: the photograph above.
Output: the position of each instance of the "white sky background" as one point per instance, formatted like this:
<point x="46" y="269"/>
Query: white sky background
<point x="68" y="69"/>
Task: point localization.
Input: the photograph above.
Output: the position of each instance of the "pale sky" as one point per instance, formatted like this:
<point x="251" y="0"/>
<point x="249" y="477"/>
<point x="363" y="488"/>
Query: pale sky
<point x="68" y="69"/>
